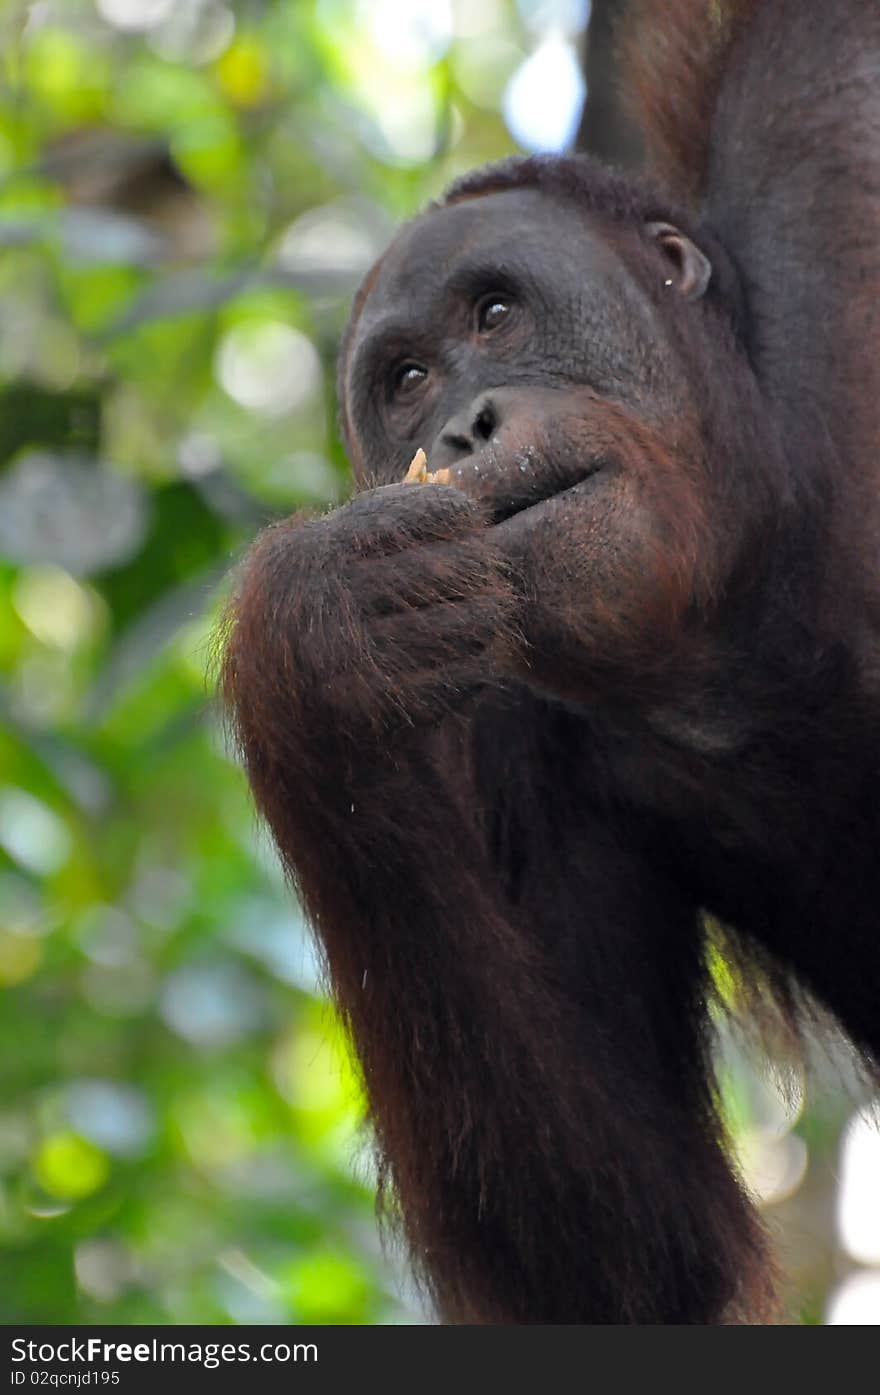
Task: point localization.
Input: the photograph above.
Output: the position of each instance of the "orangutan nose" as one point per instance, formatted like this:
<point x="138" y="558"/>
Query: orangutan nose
<point x="467" y="432"/>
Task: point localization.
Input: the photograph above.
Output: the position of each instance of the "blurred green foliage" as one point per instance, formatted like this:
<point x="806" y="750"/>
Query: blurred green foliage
<point x="186" y="205"/>
<point x="189" y="194"/>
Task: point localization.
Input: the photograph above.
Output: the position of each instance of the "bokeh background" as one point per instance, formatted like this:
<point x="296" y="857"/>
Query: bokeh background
<point x="190" y="191"/>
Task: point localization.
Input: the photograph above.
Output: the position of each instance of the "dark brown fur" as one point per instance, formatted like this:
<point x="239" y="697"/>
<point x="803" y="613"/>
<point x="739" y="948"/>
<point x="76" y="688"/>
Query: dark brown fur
<point x="674" y="57"/>
<point x="510" y="761"/>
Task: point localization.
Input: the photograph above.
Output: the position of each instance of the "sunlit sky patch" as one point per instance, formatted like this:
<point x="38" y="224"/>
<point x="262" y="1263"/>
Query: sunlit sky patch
<point x="856" y="1301"/>
<point x="858" y="1206"/>
<point x="416" y="32"/>
<point x="567" y="15"/>
<point x="331" y="236"/>
<point x="31" y="833"/>
<point x="268" y="367"/>
<point x="543" y="100"/>
<point x="135" y="16"/>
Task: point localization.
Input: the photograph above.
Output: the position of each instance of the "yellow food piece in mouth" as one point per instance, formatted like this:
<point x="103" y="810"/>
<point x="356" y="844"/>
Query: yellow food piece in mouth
<point x="418" y="468"/>
<point x="418" y="471"/>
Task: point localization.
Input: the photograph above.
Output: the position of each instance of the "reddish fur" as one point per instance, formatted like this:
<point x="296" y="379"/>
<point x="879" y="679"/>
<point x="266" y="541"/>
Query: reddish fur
<point x="463" y="1020"/>
<point x="506" y="783"/>
<point x="673" y="57"/>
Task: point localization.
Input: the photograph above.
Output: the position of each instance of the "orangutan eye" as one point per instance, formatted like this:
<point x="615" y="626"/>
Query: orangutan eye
<point x="407" y="378"/>
<point x="491" y="312"/>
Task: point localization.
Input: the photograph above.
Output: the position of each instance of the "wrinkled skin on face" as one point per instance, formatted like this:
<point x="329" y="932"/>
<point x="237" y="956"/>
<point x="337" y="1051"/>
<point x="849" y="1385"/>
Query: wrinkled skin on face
<point x="528" y="351"/>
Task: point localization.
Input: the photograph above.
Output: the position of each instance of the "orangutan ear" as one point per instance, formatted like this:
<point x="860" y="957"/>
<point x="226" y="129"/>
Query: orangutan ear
<point x="688" y="269"/>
